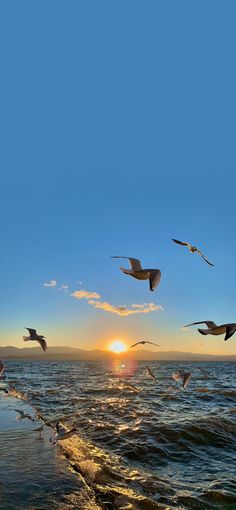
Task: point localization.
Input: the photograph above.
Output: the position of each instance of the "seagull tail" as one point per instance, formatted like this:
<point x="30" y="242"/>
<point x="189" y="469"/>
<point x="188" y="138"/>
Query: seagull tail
<point x="204" y="331"/>
<point x="126" y="271"/>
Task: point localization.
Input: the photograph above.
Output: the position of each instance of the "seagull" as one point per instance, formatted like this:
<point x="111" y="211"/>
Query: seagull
<point x="193" y="249"/>
<point x="203" y="372"/>
<point x="213" y="329"/>
<point x="34" y="336"/>
<point x="130" y="387"/>
<point x="153" y="275"/>
<point x="1" y="367"/>
<point x="24" y="415"/>
<point x="182" y="376"/>
<point x="142" y="342"/>
<point x="39" y="429"/>
<point x="62" y="433"/>
<point x="150" y="372"/>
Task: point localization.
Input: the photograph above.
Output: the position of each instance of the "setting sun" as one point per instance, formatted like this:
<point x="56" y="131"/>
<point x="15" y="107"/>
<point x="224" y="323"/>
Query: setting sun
<point x="117" y="346"/>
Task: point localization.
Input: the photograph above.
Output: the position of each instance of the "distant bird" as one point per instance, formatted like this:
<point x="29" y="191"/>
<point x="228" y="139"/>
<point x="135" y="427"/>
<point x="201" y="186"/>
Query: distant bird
<point x="1" y="367"/>
<point x="182" y="376"/>
<point x="24" y="415"/>
<point x="34" y="336"/>
<point x="203" y="372"/>
<point x="153" y="275"/>
<point x="130" y="387"/>
<point x="62" y="433"/>
<point x="193" y="249"/>
<point x="143" y="342"/>
<point x="39" y="429"/>
<point x="150" y="372"/>
<point x="213" y="329"/>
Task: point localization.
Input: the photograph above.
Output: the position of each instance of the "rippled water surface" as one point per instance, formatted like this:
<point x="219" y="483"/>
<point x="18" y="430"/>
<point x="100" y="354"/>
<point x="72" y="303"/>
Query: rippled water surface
<point x="154" y="449"/>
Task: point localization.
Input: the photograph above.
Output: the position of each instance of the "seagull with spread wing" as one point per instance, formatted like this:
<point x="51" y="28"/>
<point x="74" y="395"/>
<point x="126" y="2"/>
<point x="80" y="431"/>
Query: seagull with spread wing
<point x="150" y="373"/>
<point x="224" y="329"/>
<point x="130" y="387"/>
<point x="182" y="376"/>
<point x="153" y="275"/>
<point x="62" y="433"/>
<point x="23" y="415"/>
<point x="34" y="336"/>
<point x="40" y="430"/>
<point x="143" y="342"/>
<point x="193" y="249"/>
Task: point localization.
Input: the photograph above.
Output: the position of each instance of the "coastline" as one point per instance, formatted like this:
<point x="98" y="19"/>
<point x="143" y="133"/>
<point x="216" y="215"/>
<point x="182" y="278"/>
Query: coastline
<point x="69" y="476"/>
<point x="33" y="473"/>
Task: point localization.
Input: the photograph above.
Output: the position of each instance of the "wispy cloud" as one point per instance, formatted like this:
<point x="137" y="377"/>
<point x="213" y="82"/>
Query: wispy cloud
<point x="85" y="294"/>
<point x="64" y="287"/>
<point x="122" y="310"/>
<point x="52" y="283"/>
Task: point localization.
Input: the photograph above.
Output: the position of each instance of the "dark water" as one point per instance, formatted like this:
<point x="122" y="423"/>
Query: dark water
<point x="154" y="449"/>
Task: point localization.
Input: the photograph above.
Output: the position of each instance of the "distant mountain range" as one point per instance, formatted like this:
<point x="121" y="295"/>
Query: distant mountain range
<point x="70" y="353"/>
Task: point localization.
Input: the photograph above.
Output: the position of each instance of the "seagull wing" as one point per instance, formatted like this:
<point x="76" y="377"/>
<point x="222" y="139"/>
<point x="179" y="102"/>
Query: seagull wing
<point x="150" y="372"/>
<point x="186" y="379"/>
<point x="137" y="343"/>
<point x="32" y="332"/>
<point x="152" y="343"/>
<point x="30" y="417"/>
<point x="180" y="242"/>
<point x="230" y="330"/>
<point x="134" y="263"/>
<point x="154" y="279"/>
<point x="20" y="412"/>
<point x="206" y="260"/>
<point x="43" y="343"/>
<point x="132" y="388"/>
<point x="210" y="324"/>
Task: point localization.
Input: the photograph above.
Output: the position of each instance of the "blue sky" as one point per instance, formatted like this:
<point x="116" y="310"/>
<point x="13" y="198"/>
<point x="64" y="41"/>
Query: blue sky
<point x="118" y="133"/>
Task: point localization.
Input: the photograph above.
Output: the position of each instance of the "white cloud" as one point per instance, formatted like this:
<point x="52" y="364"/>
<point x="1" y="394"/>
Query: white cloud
<point x="52" y="283"/>
<point x="124" y="311"/>
<point x="64" y="287"/>
<point x="145" y="306"/>
<point x="85" y="294"/>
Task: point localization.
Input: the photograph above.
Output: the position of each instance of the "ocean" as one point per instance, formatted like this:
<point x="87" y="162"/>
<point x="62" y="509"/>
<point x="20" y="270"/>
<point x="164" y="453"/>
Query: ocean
<point x="153" y="449"/>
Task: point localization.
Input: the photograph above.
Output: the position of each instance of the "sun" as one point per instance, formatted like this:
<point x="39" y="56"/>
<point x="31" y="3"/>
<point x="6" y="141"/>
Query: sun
<point x="117" y="346"/>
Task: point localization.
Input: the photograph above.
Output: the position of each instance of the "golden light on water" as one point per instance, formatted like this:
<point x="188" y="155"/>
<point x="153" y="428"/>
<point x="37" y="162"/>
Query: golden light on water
<point x="117" y="346"/>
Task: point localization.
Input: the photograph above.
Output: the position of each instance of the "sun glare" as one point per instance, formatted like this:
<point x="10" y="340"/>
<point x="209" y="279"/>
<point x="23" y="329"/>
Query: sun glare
<point x="117" y="346"/>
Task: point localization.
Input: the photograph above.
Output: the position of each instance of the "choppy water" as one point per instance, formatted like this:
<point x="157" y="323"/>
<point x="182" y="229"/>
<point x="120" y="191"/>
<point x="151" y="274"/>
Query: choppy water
<point x="145" y="451"/>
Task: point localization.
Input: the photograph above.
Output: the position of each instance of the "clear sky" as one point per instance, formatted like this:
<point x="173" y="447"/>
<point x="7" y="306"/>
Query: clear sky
<point x="117" y="133"/>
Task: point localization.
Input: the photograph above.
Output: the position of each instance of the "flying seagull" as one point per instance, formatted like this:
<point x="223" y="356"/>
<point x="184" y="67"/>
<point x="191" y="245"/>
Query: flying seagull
<point x="193" y="249"/>
<point x="23" y="415"/>
<point x="39" y="429"/>
<point x="150" y="372"/>
<point x="182" y="376"/>
<point x="153" y="275"/>
<point x="62" y="433"/>
<point x="34" y="336"/>
<point x="213" y="329"/>
<point x="131" y="387"/>
<point x="144" y="342"/>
